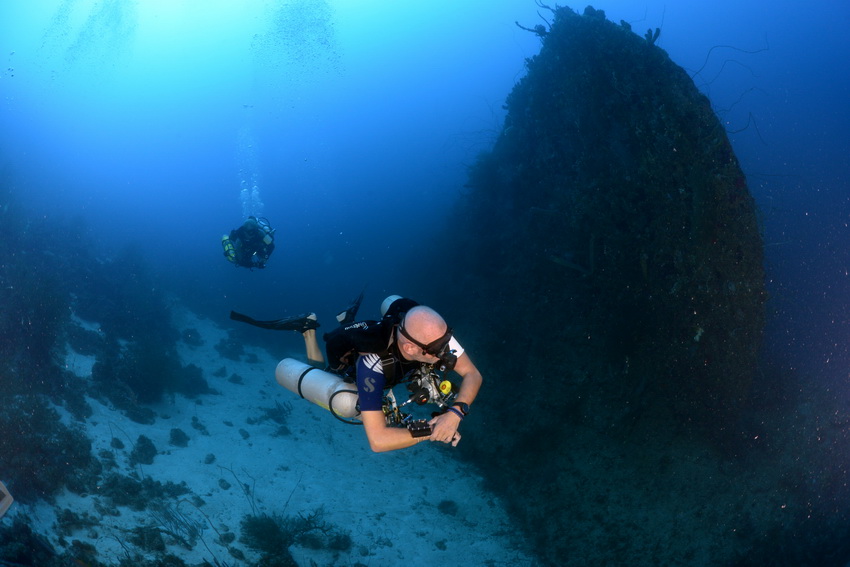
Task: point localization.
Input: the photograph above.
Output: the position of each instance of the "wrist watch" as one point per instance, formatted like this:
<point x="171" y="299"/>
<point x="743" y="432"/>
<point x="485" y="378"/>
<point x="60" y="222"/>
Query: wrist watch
<point x="462" y="406"/>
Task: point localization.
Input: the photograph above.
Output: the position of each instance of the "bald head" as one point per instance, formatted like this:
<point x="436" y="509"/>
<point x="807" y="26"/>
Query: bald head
<point x="424" y="324"/>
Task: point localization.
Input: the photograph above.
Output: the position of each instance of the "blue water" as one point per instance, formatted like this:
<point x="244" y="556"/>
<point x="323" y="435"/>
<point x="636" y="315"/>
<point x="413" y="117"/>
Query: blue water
<point x="356" y="121"/>
<point x="359" y="120"/>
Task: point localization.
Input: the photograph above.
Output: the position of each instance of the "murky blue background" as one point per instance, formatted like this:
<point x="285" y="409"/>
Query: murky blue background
<point x="357" y="120"/>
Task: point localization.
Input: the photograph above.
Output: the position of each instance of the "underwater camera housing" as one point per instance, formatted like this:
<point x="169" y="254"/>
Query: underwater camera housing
<point x="419" y="428"/>
<point x="426" y="386"/>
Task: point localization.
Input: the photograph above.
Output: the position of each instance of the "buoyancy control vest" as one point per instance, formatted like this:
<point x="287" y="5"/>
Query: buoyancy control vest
<point x="345" y="344"/>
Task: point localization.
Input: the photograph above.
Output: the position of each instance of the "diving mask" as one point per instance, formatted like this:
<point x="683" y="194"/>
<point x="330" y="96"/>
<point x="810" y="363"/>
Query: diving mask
<point x="439" y="348"/>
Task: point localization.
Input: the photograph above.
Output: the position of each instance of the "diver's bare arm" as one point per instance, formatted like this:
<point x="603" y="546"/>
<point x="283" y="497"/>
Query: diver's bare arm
<point x="383" y="438"/>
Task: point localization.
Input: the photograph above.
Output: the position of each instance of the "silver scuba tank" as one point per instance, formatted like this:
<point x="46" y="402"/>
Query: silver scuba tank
<point x="322" y="388"/>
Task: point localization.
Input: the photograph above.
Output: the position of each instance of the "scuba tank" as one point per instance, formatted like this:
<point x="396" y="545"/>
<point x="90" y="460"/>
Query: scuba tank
<point x="268" y="231"/>
<point x="322" y="388"/>
<point x="229" y="251"/>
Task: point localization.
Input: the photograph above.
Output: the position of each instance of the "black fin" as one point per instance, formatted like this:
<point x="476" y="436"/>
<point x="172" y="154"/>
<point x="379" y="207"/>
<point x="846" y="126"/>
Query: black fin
<point x="296" y="323"/>
<point x="350" y="313"/>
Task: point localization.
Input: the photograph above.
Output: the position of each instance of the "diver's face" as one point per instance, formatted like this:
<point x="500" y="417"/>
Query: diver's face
<point x="421" y="346"/>
<point x="412" y="352"/>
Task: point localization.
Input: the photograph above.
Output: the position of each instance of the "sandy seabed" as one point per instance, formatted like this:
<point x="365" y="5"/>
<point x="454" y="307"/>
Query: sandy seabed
<point x="417" y="506"/>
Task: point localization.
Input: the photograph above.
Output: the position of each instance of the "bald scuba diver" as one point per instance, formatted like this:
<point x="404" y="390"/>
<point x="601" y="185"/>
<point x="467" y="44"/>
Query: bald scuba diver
<point x="412" y="345"/>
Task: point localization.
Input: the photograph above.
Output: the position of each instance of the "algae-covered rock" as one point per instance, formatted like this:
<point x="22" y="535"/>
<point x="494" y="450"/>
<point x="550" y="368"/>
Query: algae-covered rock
<point x="613" y="249"/>
<point x="613" y="213"/>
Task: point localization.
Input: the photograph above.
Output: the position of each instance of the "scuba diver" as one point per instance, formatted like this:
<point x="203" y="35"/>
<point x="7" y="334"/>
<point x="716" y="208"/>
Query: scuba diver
<point x="251" y="244"/>
<point x="412" y="345"/>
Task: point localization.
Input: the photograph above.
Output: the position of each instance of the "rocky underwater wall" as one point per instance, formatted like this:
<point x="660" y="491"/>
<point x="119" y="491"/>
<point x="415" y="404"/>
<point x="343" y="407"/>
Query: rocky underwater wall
<point x="616" y="229"/>
<point x="612" y="292"/>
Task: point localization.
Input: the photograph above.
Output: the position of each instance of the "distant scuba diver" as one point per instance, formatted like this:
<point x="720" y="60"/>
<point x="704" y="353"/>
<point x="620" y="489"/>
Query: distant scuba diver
<point x="251" y="244"/>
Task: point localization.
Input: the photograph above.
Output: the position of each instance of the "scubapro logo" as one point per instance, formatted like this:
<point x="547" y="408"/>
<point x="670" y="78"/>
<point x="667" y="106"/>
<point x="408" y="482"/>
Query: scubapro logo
<point x="369" y="384"/>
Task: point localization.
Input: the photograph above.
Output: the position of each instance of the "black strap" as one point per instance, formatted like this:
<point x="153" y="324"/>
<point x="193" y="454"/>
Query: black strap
<point x="301" y="379"/>
<point x="388" y="366"/>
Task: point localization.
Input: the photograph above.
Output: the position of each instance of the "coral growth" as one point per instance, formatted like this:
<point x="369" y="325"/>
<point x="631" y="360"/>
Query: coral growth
<point x="143" y="451"/>
<point x="612" y="230"/>
<point x="273" y="535"/>
<point x="40" y="454"/>
<point x="624" y="219"/>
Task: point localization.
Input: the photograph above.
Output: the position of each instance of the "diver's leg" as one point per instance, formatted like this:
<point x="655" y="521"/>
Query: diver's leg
<point x="314" y="354"/>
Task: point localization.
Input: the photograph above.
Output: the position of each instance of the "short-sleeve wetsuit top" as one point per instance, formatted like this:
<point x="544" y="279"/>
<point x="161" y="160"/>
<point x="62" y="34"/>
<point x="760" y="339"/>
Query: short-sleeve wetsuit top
<point x="371" y="381"/>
